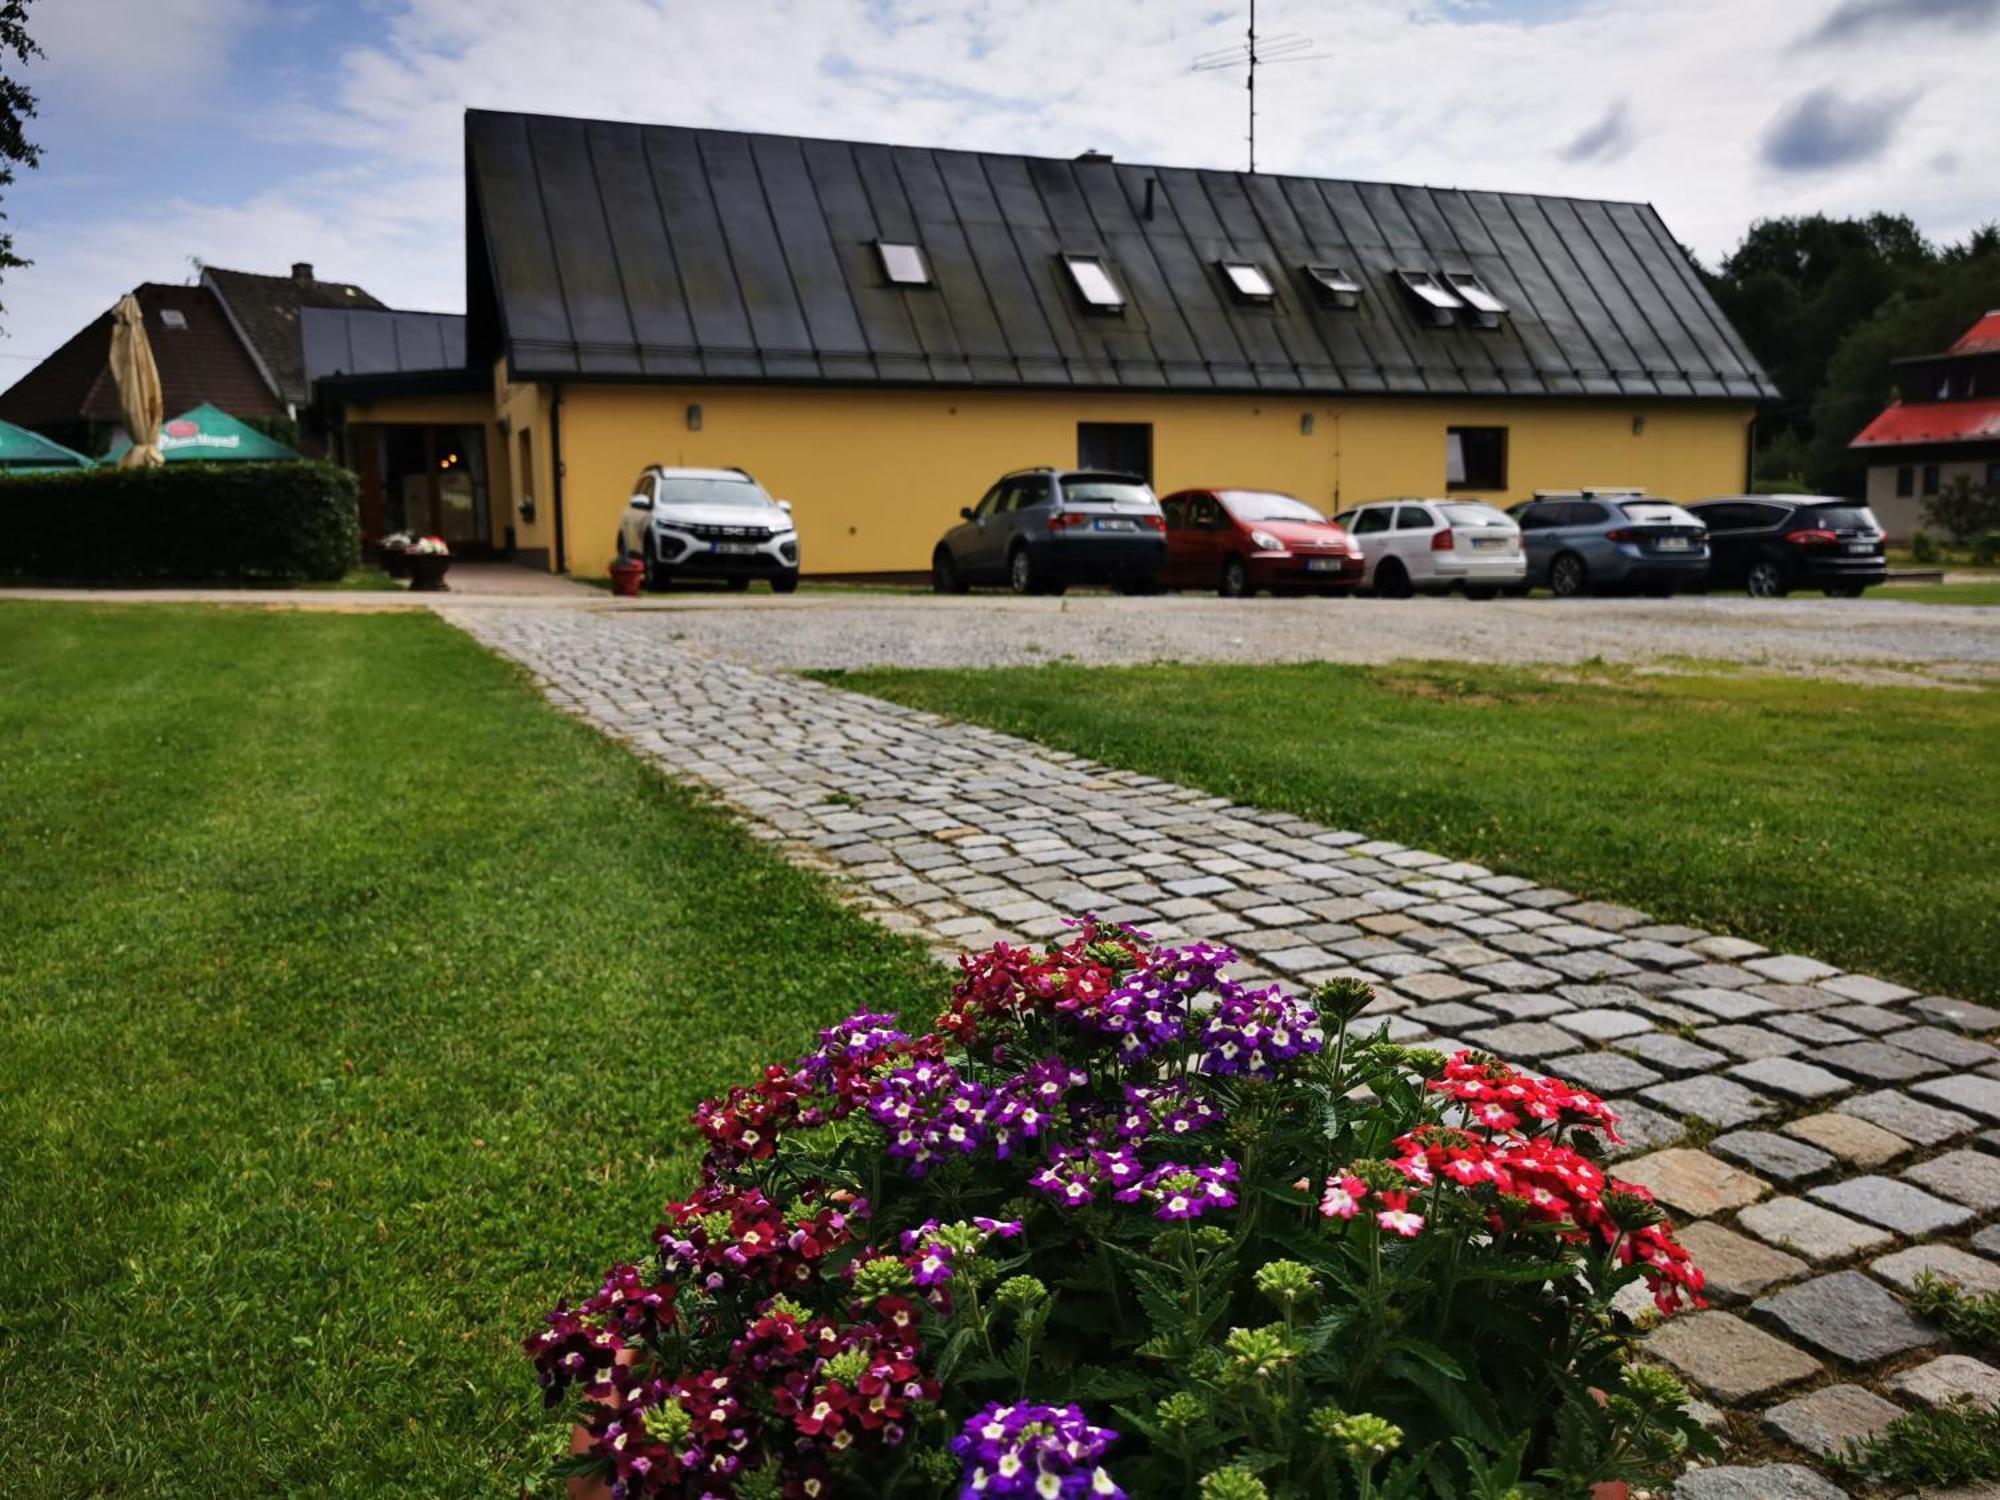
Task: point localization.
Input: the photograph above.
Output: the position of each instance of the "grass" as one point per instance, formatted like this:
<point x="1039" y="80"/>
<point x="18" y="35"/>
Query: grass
<point x="352" y="1003"/>
<point x="1939" y="593"/>
<point x="1855" y="824"/>
<point x="1955" y="1444"/>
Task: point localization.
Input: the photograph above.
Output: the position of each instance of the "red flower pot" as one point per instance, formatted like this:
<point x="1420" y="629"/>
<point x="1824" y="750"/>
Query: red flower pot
<point x="627" y="574"/>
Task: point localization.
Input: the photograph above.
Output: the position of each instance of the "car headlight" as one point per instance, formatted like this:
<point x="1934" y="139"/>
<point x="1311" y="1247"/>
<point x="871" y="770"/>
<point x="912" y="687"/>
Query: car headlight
<point x="1264" y="541"/>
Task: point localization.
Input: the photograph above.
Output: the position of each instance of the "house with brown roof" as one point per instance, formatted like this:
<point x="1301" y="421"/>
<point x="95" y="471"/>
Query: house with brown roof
<point x="1943" y="425"/>
<point x="233" y="340"/>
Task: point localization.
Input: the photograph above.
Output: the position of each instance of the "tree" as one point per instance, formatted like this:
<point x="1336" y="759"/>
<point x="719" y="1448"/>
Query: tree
<point x="17" y="107"/>
<point x="1964" y="510"/>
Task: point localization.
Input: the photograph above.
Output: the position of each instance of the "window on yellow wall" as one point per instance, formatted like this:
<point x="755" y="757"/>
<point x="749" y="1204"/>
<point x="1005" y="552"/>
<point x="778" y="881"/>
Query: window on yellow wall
<point x="1475" y="458"/>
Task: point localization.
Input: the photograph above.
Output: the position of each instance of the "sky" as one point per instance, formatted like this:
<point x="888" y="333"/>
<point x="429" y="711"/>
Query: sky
<point x="256" y="133"/>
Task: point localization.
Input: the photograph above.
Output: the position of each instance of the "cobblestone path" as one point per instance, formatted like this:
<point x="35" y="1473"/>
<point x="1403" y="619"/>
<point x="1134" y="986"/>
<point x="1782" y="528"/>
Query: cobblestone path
<point x="1825" y="1137"/>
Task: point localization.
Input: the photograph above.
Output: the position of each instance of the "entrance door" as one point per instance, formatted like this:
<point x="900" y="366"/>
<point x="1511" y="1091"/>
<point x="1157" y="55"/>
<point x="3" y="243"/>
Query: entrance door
<point x="1117" y="447"/>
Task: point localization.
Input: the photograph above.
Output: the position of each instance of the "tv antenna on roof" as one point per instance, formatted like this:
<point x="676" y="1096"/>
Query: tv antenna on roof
<point x="1256" y="52"/>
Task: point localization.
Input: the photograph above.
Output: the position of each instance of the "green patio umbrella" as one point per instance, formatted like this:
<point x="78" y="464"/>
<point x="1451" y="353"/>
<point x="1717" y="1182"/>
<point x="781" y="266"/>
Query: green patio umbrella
<point x="25" y="452"/>
<point x="208" y="434"/>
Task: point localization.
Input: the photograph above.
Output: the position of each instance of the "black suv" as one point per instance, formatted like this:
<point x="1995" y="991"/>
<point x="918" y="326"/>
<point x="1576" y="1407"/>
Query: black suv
<point x="1772" y="544"/>
<point x="1040" y="530"/>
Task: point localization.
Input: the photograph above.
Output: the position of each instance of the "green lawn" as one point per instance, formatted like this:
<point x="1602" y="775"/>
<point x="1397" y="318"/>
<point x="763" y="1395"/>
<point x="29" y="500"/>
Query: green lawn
<point x="1855" y="824"/>
<point x="1940" y="593"/>
<point x="352" y="1002"/>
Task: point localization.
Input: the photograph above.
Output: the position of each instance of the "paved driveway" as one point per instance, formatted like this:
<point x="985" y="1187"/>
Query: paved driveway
<point x="1858" y="639"/>
<point x="1806" y="1183"/>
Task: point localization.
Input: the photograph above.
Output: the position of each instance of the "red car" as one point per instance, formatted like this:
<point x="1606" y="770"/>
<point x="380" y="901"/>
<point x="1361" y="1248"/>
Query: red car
<point x="1239" y="541"/>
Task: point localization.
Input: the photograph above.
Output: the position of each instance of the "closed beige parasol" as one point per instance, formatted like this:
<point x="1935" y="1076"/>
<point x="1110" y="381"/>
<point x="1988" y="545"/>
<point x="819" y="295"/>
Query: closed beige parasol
<point x="138" y="378"/>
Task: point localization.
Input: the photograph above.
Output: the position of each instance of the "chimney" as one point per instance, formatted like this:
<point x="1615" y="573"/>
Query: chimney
<point x="1094" y="155"/>
<point x="302" y="272"/>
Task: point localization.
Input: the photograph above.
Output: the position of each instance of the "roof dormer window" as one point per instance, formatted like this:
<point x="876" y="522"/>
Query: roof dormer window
<point x="904" y="265"/>
<point x="1429" y="296"/>
<point x="1248" y="281"/>
<point x="1093" y="282"/>
<point x="1335" y="286"/>
<point x="1486" y="308"/>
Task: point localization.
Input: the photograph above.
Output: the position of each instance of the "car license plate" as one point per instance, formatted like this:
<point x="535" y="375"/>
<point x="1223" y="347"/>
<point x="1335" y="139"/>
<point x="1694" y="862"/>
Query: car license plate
<point x="733" y="549"/>
<point x="1860" y="546"/>
<point x="1109" y="525"/>
<point x="1489" y="543"/>
<point x="1672" y="544"/>
<point x="1324" y="564"/>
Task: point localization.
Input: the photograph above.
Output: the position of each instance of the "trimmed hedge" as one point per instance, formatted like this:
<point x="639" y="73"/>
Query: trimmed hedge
<point x="231" y="521"/>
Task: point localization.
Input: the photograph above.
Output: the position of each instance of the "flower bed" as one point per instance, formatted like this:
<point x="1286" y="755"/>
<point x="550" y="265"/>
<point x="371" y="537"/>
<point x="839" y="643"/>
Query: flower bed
<point x="1121" y="1225"/>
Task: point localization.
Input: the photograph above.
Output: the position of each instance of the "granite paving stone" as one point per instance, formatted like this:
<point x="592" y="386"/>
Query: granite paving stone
<point x="1749" y="1042"/>
<point x="1756" y="1482"/>
<point x="1643" y="1129"/>
<point x="1790" y="1078"/>
<point x="1866" y="989"/>
<point x="1877" y="1062"/>
<point x="1971" y="1273"/>
<point x="1964" y="1176"/>
<point x="1727" y="1357"/>
<point x="1966" y="1091"/>
<point x="1602" y="1024"/>
<point x="1693" y="1182"/>
<point x="1811" y="1028"/>
<point x="1718" y="1101"/>
<point x="1987" y="1241"/>
<point x="1848" y="1316"/>
<point x="1673" y="1053"/>
<point x="1949" y="1378"/>
<point x="1737" y="1267"/>
<point x="1849" y="1137"/>
<point x="1912" y="1119"/>
<point x="1726" y="949"/>
<point x="1724" y="1005"/>
<point x="1781" y="1157"/>
<point x="1449" y="1016"/>
<point x="1602" y="1072"/>
<point x="1827" y="1420"/>
<point x="1512" y="974"/>
<point x="1875" y="1020"/>
<point x="1947" y="1046"/>
<point x="1790" y="968"/>
<point x="1523" y="1041"/>
<point x="1819" y="1234"/>
<point x="1963" y="1014"/>
<point x="1900" y="1206"/>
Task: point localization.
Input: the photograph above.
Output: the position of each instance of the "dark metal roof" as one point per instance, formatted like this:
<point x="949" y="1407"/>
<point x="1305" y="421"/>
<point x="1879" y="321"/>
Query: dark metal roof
<point x="265" y="310"/>
<point x="367" y="341"/>
<point x="612" y="251"/>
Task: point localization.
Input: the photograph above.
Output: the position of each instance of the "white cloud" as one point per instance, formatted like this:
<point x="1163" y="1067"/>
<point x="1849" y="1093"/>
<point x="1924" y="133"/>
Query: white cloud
<point x="1411" y="90"/>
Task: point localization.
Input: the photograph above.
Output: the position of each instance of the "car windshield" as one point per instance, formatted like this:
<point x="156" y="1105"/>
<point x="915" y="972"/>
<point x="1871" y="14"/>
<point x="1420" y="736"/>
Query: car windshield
<point x="1657" y="513"/>
<point x="1250" y="506"/>
<point x="1839" y="518"/>
<point x="711" y="492"/>
<point x="1107" y="492"/>
<point x="1462" y="514"/>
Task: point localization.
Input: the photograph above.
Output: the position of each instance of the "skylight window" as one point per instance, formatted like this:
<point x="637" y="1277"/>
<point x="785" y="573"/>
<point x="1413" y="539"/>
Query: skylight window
<point x="1430" y="296"/>
<point x="1248" y="281"/>
<point x="173" y="317"/>
<point x="1094" y="283"/>
<point x="904" y="265"/>
<point x="1486" y="308"/>
<point x="1335" y="285"/>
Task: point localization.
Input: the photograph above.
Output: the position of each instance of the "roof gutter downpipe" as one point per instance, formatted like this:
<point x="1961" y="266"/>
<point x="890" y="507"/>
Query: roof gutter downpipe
<point x="556" y="474"/>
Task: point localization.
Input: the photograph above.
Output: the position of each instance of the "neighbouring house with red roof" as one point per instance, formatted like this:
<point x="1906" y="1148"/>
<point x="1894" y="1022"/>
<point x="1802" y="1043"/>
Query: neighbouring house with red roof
<point x="1944" y="424"/>
<point x="233" y="340"/>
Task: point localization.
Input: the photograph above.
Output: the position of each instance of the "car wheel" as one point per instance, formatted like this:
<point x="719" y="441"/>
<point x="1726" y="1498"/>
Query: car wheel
<point x="1235" y="580"/>
<point x="785" y="583"/>
<point x="944" y="574"/>
<point x="1567" y="576"/>
<point x="1392" y="580"/>
<point x="1766" y="580"/>
<point x="1023" y="577"/>
<point x="1845" y="590"/>
<point x="658" y="579"/>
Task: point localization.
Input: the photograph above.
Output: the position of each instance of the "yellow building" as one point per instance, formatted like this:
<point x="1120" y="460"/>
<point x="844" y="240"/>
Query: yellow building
<point x="877" y="332"/>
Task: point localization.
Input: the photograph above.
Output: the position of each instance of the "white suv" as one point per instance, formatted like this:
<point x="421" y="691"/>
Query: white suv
<point x="709" y="523"/>
<point x="1434" y="546"/>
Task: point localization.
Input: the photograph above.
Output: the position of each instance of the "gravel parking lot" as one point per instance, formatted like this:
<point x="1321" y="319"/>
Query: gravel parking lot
<point x="1857" y="639"/>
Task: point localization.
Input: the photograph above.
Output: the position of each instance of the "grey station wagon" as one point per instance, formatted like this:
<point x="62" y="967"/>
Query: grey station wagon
<point x="1040" y="530"/>
<point x="1592" y="541"/>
